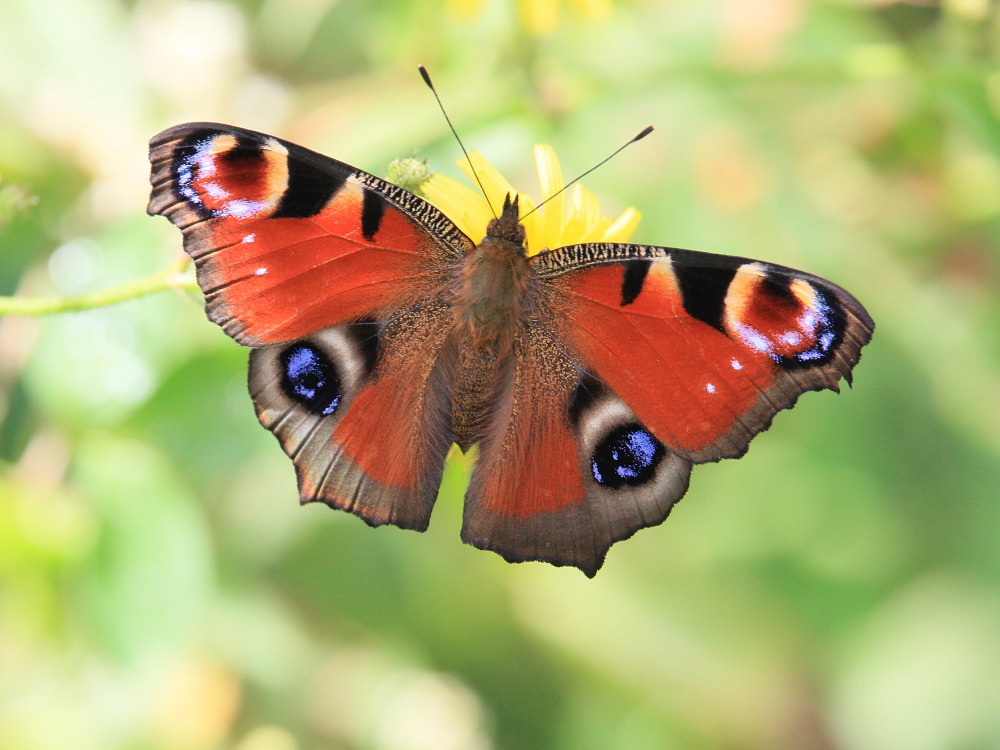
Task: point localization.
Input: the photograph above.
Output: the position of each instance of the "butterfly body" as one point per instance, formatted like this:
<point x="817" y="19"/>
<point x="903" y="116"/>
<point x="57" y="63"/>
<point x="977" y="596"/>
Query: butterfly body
<point x="493" y="290"/>
<point x="591" y="377"/>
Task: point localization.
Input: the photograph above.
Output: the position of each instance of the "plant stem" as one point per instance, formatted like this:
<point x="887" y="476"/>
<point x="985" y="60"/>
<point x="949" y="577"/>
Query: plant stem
<point x="171" y="277"/>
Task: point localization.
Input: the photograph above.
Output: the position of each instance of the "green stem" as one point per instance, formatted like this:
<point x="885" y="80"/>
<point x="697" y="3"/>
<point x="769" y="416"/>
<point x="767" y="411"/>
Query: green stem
<point x="171" y="277"/>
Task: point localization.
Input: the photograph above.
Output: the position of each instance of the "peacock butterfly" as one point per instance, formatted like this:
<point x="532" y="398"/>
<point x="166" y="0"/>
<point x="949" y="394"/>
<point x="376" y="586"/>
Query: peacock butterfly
<point x="592" y="377"/>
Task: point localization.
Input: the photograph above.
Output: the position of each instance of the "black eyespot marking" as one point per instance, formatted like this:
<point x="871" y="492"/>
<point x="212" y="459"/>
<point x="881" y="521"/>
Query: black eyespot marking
<point x="627" y="456"/>
<point x="777" y="285"/>
<point x="372" y="211"/>
<point x="243" y="151"/>
<point x="309" y="189"/>
<point x="633" y="279"/>
<point x="308" y="377"/>
<point x="704" y="292"/>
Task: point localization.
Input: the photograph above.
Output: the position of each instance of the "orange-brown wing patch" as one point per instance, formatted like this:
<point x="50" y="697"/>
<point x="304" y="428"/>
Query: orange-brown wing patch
<point x="528" y="458"/>
<point x="392" y="431"/>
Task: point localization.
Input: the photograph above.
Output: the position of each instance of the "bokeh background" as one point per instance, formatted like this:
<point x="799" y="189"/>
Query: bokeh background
<point x="837" y="588"/>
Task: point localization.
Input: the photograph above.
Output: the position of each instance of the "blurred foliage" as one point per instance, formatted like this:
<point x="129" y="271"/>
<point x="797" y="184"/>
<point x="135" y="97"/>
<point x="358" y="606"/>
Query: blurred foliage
<point x="836" y="588"/>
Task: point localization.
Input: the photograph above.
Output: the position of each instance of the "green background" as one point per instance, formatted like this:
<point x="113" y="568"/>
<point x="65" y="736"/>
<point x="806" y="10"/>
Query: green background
<point x="836" y="588"/>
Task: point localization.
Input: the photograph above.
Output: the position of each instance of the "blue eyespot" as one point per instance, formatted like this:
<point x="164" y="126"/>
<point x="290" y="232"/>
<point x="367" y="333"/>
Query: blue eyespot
<point x="825" y="332"/>
<point x="628" y="455"/>
<point x="308" y="377"/>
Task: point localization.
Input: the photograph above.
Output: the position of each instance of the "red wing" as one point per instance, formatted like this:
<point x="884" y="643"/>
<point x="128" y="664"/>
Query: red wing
<point x="704" y="348"/>
<point x="287" y="241"/>
<point x="565" y="469"/>
<point x="363" y="411"/>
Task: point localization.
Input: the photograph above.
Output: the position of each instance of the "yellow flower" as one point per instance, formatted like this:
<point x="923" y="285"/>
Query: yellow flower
<point x="569" y="218"/>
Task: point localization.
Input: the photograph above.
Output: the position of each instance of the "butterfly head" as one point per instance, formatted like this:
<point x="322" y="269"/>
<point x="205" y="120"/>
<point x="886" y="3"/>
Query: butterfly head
<point x="507" y="226"/>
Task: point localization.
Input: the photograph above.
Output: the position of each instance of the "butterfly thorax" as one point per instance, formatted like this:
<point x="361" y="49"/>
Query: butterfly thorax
<point x="489" y="296"/>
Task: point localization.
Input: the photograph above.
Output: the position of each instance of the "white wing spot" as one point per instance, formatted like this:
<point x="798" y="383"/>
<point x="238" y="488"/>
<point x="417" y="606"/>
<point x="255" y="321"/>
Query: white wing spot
<point x="737" y="365"/>
<point x="710" y="387"/>
<point x="242" y="208"/>
<point x="260" y="271"/>
<point x="792" y="338"/>
<point x="215" y="190"/>
<point x="753" y="339"/>
<point x="249" y="238"/>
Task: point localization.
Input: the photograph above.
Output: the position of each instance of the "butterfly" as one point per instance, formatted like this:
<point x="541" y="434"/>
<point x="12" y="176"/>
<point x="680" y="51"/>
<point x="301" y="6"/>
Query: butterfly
<point x="591" y="377"/>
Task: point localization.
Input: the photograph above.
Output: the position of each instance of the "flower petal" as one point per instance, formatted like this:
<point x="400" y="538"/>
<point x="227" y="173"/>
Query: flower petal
<point x="569" y="218"/>
<point x="552" y="222"/>
<point x="463" y="205"/>
<point x="621" y="229"/>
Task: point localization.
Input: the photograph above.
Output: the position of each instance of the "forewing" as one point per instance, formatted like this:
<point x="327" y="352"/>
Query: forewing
<point x="704" y="348"/>
<point x="287" y="241"/>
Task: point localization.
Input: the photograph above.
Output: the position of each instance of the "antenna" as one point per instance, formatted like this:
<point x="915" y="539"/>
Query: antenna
<point x="427" y="79"/>
<point x="646" y="131"/>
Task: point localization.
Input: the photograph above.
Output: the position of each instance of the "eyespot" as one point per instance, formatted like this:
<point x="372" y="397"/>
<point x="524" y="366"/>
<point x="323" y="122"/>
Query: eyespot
<point x="309" y="378"/>
<point x="789" y="319"/>
<point x="628" y="455"/>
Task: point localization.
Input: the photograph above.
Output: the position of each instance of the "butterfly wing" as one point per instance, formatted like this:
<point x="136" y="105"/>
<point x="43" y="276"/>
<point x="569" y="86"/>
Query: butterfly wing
<point x="642" y="361"/>
<point x="331" y="274"/>
<point x="363" y="410"/>
<point x="288" y="242"/>
<point x="705" y="348"/>
<point x="551" y="482"/>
